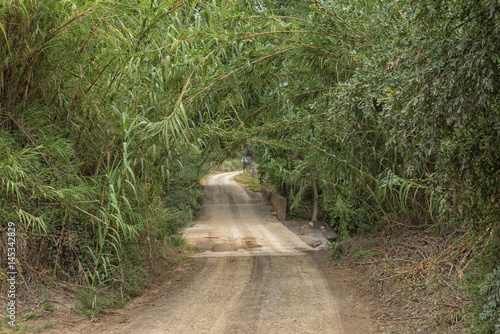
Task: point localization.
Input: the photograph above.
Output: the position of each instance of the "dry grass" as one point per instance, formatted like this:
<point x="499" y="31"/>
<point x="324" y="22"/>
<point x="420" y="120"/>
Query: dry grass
<point x="417" y="277"/>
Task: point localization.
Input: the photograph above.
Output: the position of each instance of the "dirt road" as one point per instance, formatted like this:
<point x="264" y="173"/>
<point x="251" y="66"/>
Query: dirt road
<point x="256" y="277"/>
<point x="234" y="223"/>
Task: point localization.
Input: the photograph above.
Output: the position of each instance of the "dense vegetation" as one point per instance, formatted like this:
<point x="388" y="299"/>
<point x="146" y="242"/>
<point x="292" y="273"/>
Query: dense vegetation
<point x="383" y="112"/>
<point x="96" y="167"/>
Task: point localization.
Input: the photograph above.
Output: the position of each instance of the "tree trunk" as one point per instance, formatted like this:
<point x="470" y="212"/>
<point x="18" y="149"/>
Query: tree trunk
<point x="315" y="192"/>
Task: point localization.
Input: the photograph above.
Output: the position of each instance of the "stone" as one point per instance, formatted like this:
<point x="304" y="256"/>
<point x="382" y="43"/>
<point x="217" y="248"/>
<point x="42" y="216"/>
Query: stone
<point x="330" y="235"/>
<point x="315" y="243"/>
<point x="322" y="246"/>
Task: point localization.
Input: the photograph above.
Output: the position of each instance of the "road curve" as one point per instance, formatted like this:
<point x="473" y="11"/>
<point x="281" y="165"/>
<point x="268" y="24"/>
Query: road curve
<point x="235" y="223"/>
<point x="257" y="276"/>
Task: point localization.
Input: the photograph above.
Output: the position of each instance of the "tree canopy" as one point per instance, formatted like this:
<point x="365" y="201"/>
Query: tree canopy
<point x="111" y="111"/>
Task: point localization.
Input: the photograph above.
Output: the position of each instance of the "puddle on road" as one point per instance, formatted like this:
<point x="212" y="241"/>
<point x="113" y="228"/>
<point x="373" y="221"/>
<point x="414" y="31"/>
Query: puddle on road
<point x="224" y="247"/>
<point x="246" y="243"/>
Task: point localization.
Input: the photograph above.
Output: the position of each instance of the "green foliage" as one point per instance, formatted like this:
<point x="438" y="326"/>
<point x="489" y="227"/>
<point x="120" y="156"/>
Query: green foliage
<point x="338" y="252"/>
<point x="362" y="254"/>
<point x="94" y="141"/>
<point x="134" y="271"/>
<point x="231" y="165"/>
<point x="490" y="290"/>
<point x="19" y="328"/>
<point x="250" y="182"/>
<point x="482" y="287"/>
<point x="300" y="213"/>
<point x="391" y="107"/>
<point x="111" y="112"/>
<point x="167" y="222"/>
<point x="92" y="302"/>
<point x="348" y="216"/>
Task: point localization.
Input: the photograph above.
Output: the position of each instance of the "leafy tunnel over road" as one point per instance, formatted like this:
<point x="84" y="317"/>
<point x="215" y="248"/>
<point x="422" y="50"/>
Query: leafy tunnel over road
<point x="112" y="111"/>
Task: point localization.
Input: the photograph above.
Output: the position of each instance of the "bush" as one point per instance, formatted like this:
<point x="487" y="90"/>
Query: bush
<point x="490" y="290"/>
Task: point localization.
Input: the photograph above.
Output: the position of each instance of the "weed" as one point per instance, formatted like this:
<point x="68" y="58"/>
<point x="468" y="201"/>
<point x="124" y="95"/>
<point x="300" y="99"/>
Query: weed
<point x="363" y="254"/>
<point x="250" y="182"/>
<point x="19" y="328"/>
<point x="31" y="315"/>
<point x="4" y="321"/>
<point x="176" y="240"/>
<point x="434" y="283"/>
<point x="338" y="252"/>
<point x="411" y="288"/>
<point x="134" y="272"/>
<point x="48" y="306"/>
<point x="92" y="302"/>
<point x="48" y="325"/>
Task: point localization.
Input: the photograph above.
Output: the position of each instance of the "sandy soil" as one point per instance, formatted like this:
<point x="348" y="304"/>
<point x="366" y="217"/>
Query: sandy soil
<point x="251" y="275"/>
